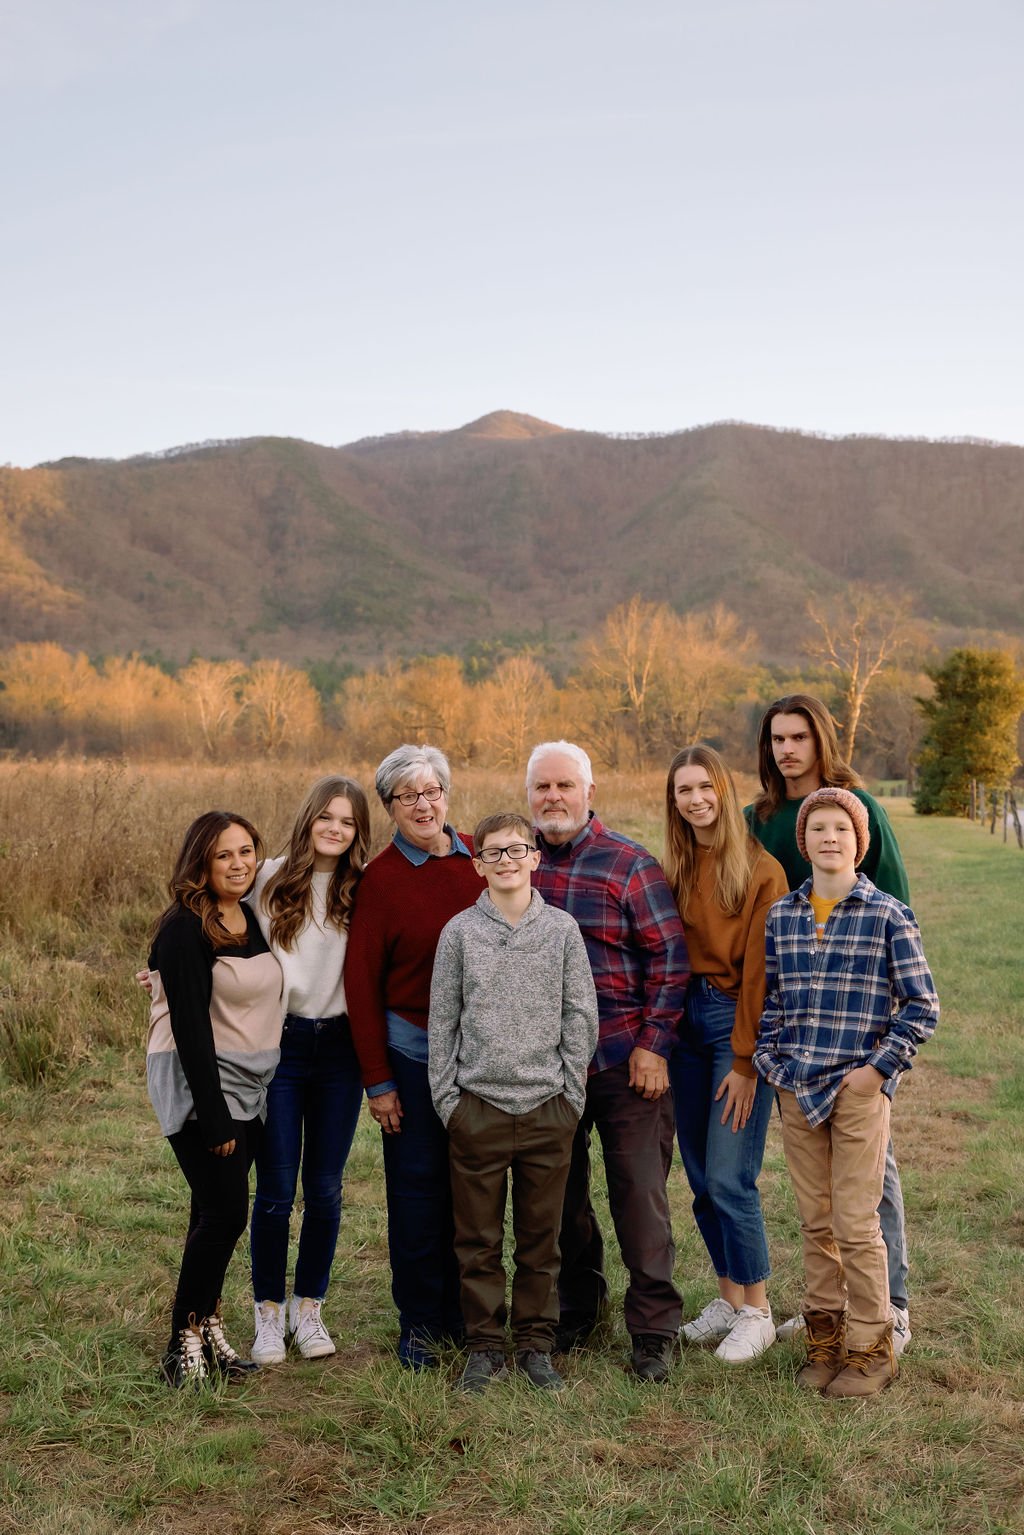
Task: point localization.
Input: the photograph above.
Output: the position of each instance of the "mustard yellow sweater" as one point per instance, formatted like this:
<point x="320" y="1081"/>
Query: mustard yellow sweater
<point x="730" y="950"/>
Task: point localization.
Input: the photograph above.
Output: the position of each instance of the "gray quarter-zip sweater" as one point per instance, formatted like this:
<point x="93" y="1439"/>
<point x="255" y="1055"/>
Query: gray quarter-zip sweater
<point x="513" y="1010"/>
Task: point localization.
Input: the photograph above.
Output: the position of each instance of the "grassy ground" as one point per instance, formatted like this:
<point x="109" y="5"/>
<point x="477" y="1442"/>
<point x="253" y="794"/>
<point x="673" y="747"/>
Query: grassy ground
<point x="92" y="1214"/>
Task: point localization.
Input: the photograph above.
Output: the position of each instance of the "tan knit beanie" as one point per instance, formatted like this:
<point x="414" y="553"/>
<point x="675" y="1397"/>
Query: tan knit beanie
<point x="855" y="809"/>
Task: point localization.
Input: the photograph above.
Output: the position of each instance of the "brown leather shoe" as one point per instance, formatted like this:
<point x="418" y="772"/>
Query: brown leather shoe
<point x="826" y="1349"/>
<point x="868" y="1370"/>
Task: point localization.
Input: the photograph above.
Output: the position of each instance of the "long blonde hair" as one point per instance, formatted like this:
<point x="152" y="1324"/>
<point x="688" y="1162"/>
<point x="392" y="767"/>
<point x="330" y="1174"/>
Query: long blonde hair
<point x="733" y="849"/>
<point x="288" y="898"/>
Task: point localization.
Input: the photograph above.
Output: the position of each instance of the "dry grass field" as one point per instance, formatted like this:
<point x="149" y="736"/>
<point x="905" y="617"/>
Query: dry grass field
<point x="92" y="1213"/>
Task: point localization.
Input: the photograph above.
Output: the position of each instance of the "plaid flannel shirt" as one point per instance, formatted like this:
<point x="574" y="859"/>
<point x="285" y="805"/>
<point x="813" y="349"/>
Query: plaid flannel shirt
<point x="862" y="996"/>
<point x="619" y="896"/>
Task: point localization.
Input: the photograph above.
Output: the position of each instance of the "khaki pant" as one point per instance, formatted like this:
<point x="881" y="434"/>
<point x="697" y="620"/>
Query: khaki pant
<point x="485" y="1145"/>
<point x="837" y="1170"/>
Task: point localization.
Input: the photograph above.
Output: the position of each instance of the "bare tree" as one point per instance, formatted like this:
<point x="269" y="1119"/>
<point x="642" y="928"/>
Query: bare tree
<point x="281" y="706"/>
<point x="859" y="635"/>
<point x="212" y="693"/>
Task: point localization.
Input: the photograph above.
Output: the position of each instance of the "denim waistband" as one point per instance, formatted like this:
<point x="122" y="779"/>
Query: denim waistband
<point x="315" y="1024"/>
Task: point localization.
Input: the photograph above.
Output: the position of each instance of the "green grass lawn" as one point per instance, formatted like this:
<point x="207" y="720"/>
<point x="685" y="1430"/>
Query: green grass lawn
<point x="92" y="1212"/>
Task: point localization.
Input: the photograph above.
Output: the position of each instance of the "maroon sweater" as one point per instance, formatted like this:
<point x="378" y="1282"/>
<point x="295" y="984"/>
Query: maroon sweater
<point x="399" y="912"/>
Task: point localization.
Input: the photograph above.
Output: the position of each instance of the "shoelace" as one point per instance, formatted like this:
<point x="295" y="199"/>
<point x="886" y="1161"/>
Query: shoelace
<point x="819" y="1349"/>
<point x="190" y="1348"/>
<point x="213" y="1328"/>
<point x="862" y="1358"/>
<point x="310" y="1324"/>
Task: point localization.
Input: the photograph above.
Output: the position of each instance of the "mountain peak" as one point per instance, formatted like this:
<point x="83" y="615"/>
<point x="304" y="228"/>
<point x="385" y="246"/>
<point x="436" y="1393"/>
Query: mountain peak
<point x="508" y="424"/>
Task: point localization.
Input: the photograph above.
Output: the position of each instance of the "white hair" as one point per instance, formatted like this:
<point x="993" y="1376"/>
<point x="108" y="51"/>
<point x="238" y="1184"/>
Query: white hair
<point x="565" y="749"/>
<point x="403" y="763"/>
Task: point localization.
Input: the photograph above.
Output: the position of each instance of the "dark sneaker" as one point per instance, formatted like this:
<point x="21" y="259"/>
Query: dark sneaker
<point x="652" y="1356"/>
<point x="483" y="1366"/>
<point x="416" y="1353"/>
<point x="538" y="1369"/>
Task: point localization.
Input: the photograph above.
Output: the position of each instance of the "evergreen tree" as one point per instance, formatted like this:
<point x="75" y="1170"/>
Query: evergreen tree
<point x="971" y="729"/>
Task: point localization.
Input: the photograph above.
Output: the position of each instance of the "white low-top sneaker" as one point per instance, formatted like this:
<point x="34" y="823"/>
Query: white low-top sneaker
<point x="787" y="1330"/>
<point x="268" y="1347"/>
<point x="901" y="1334"/>
<point x="309" y="1334"/>
<point x="714" y="1323"/>
<point x="752" y="1332"/>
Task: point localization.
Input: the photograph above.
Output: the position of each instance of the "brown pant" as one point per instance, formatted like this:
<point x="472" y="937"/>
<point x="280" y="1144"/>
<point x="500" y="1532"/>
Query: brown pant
<point x="485" y="1145"/>
<point x="837" y="1170"/>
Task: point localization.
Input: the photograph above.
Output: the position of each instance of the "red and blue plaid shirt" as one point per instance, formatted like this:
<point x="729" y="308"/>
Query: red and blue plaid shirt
<point x="862" y="996"/>
<point x="630" y="924"/>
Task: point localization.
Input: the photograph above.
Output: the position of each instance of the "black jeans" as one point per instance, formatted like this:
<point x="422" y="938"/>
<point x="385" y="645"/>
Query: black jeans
<point x="218" y="1216"/>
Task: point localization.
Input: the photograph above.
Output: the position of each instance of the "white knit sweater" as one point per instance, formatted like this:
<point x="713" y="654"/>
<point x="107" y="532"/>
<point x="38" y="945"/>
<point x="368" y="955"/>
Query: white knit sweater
<point x="313" y="985"/>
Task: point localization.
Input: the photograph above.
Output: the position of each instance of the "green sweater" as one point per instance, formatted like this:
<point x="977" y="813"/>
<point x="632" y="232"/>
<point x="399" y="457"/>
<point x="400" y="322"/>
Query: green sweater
<point x="882" y="862"/>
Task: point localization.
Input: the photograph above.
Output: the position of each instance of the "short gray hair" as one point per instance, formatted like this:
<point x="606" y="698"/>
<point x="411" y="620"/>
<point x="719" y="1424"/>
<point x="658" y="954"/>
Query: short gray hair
<point x="567" y="749"/>
<point x="406" y="760"/>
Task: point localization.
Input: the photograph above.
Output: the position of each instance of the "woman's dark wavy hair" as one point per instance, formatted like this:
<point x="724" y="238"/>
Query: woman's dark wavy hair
<point x="189" y="884"/>
<point x="835" y="772"/>
<point x="288" y="897"/>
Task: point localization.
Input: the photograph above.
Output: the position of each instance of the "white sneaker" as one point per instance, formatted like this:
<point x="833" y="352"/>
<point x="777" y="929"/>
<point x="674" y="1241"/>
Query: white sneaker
<point x="309" y="1334"/>
<point x="752" y="1332"/>
<point x="786" y="1331"/>
<point x="714" y="1323"/>
<point x="268" y="1347"/>
<point x="901" y="1334"/>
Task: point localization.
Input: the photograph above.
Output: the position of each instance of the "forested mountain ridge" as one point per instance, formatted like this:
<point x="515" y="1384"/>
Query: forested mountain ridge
<point x="507" y="528"/>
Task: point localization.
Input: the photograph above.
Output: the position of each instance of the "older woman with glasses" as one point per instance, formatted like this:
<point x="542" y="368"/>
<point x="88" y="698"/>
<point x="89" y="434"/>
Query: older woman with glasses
<point x="409" y="891"/>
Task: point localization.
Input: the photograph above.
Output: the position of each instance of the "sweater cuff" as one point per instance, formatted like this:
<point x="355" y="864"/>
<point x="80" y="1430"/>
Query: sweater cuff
<point x="743" y="1066"/>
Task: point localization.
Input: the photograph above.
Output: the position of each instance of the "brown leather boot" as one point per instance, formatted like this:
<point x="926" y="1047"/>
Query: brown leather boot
<point x="867" y="1370"/>
<point x="826" y="1349"/>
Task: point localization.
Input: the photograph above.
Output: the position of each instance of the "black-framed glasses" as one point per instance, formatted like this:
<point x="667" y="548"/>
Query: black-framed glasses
<point x="516" y="850"/>
<point x="410" y="797"/>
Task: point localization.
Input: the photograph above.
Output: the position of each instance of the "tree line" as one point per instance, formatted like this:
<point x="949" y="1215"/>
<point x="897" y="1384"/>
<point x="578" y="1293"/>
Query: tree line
<point x="648" y="680"/>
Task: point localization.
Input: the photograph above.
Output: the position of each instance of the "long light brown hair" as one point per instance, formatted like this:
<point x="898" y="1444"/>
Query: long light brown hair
<point x="189" y="884"/>
<point x="288" y="897"/>
<point x="733" y="850"/>
<point x="836" y="772"/>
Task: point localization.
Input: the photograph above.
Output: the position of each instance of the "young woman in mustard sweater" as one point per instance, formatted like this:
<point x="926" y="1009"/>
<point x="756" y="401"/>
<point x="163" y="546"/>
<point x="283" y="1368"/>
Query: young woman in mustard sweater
<point x="724" y="883"/>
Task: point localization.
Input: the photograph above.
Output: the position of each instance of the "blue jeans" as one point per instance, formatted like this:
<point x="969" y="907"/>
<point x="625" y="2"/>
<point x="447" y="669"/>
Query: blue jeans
<point x="312" y="1108"/>
<point x="894" y="1230"/>
<point x="722" y="1167"/>
<point x="421" y="1230"/>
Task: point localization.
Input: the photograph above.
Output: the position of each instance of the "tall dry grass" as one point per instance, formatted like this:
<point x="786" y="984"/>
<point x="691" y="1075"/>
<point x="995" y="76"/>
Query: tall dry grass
<point x="85" y="852"/>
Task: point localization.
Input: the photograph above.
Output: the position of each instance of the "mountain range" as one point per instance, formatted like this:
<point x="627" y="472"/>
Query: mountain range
<point x="509" y="530"/>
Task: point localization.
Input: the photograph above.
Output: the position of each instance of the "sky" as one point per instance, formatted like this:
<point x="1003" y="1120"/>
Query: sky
<point x="331" y="219"/>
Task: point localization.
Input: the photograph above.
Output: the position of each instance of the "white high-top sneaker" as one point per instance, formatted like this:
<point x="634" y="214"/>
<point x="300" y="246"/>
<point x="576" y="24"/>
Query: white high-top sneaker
<point x="268" y="1347"/>
<point x="309" y="1334"/>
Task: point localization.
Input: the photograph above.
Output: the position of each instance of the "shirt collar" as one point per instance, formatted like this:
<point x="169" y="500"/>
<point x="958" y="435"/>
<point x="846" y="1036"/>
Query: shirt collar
<point x="861" y="891"/>
<point x="419" y="855"/>
<point x="563" y="849"/>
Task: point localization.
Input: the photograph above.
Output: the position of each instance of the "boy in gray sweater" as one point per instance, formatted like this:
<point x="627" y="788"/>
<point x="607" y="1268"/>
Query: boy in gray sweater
<point x="513" y="1027"/>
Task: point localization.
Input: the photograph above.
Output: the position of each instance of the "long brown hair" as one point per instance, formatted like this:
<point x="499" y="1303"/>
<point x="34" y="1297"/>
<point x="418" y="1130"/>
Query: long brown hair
<point x="288" y="897"/>
<point x="189" y="884"/>
<point x="733" y="850"/>
<point x="836" y="772"/>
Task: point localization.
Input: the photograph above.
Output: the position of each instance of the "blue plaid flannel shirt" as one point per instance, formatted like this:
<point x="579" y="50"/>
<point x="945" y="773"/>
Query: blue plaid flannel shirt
<point x="863" y="996"/>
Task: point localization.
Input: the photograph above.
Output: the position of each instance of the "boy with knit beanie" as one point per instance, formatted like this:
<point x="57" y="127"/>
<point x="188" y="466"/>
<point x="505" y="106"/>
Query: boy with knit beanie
<point x="849" y="998"/>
